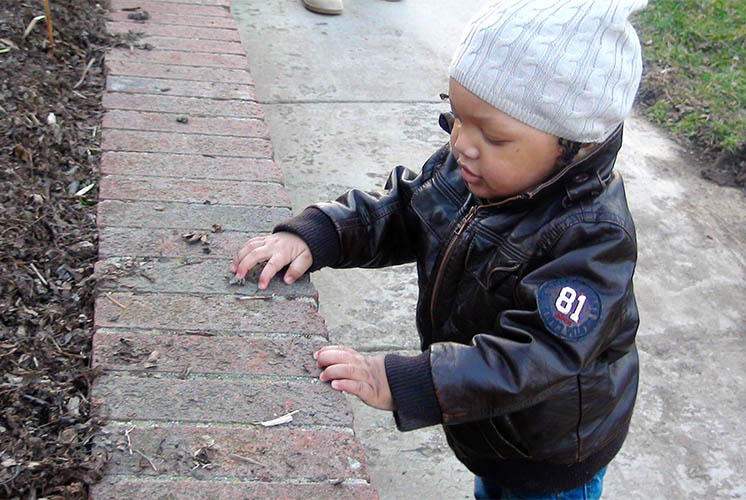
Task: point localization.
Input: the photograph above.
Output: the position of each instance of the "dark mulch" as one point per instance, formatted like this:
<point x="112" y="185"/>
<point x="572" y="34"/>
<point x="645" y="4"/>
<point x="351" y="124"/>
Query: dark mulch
<point x="50" y="124"/>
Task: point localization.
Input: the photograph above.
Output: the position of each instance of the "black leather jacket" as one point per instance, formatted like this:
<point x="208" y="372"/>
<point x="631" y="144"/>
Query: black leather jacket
<point x="526" y="312"/>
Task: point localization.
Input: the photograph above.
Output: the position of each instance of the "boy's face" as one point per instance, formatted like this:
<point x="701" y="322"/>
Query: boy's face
<point x="499" y="156"/>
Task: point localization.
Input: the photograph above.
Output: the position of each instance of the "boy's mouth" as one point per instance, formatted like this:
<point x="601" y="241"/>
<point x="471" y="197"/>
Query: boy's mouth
<point x="468" y="176"/>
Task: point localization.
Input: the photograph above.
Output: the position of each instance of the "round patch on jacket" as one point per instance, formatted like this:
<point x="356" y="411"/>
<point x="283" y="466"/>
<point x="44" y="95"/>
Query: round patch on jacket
<point x="569" y="308"/>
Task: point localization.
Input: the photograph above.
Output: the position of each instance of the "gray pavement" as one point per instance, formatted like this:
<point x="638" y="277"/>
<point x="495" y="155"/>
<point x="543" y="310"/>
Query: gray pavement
<point x="349" y="97"/>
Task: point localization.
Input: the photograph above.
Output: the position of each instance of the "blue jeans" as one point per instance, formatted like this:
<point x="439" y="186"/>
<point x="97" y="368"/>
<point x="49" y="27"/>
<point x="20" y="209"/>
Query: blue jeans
<point x="486" y="489"/>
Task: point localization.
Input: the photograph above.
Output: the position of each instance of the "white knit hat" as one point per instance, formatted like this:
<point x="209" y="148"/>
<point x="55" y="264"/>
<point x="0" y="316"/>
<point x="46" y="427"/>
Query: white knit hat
<point x="570" y="68"/>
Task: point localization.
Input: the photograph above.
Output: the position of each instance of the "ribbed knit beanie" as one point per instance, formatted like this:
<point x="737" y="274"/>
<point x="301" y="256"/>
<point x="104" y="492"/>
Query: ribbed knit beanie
<point x="570" y="68"/>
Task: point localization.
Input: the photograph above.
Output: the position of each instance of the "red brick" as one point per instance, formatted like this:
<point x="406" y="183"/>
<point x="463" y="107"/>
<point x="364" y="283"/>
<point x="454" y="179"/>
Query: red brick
<point x="202" y="276"/>
<point x="158" y="8"/>
<point x="117" y="351"/>
<point x="208" y="313"/>
<point x="201" y="399"/>
<point x="175" y="18"/>
<point x="134" y="242"/>
<point x="192" y="32"/>
<point x="168" y="165"/>
<point x="167" y="122"/>
<point x="159" y="86"/>
<point x="193" y="45"/>
<point x="172" y="57"/>
<point x="165" y="142"/>
<point x="131" y="68"/>
<point x="193" y="217"/>
<point x="116" y="187"/>
<point x="225" y="3"/>
<point x="123" y="489"/>
<point x="183" y="105"/>
<point x="285" y="454"/>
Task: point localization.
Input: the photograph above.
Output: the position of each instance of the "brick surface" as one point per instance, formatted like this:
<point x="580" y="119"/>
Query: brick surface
<point x="201" y="59"/>
<point x="159" y="86"/>
<point x="223" y="490"/>
<point x="191" y="32"/>
<point x="183" y="105"/>
<point x="166" y="122"/>
<point x="194" y="354"/>
<point x="216" y="192"/>
<point x="206" y="276"/>
<point x="219" y="401"/>
<point x="193" y="166"/>
<point x="189" y="217"/>
<point x="225" y="3"/>
<point x="208" y="313"/>
<point x="145" y="242"/>
<point x="157" y="17"/>
<point x="223" y="75"/>
<point x="159" y="8"/>
<point x="165" y="142"/>
<point x="192" y="45"/>
<point x="191" y="364"/>
<point x="284" y="454"/>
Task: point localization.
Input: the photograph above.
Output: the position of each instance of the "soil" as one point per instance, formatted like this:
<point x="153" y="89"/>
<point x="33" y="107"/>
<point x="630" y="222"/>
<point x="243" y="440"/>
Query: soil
<point x="725" y="168"/>
<point x="50" y="124"/>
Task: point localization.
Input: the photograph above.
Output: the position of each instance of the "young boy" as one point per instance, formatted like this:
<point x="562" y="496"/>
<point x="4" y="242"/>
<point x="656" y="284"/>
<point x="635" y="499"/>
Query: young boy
<point x="525" y="252"/>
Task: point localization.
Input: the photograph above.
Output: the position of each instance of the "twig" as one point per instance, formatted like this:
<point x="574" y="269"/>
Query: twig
<point x="127" y="435"/>
<point x="115" y="301"/>
<point x="85" y="72"/>
<point x="246" y="459"/>
<point x="31" y="25"/>
<point x="38" y="274"/>
<point x="15" y="475"/>
<point x="48" y="16"/>
<point x="146" y="458"/>
<point x="255" y="297"/>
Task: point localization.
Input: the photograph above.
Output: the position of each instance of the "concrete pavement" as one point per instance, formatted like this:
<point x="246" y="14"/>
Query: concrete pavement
<point x="346" y="98"/>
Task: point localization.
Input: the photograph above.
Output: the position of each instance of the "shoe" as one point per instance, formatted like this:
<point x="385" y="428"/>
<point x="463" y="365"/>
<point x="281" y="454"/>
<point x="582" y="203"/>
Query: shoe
<point x="324" y="6"/>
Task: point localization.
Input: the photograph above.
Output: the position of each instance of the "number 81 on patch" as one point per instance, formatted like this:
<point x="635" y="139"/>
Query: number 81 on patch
<point x="569" y="308"/>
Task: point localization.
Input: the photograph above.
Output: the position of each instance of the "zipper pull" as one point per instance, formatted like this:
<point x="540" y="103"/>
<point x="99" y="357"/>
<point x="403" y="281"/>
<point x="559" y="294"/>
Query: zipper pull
<point x="465" y="221"/>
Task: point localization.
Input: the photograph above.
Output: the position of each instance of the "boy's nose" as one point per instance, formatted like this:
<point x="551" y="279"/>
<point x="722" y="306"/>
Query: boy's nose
<point x="465" y="147"/>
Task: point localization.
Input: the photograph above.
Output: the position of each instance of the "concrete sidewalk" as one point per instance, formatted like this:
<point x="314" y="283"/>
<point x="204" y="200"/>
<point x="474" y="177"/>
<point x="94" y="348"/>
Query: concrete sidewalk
<point x="349" y="97"/>
<point x="192" y="366"/>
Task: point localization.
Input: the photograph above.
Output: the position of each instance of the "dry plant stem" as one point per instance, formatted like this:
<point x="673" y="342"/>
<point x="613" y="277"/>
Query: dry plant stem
<point x="115" y="301"/>
<point x="146" y="458"/>
<point x="48" y="16"/>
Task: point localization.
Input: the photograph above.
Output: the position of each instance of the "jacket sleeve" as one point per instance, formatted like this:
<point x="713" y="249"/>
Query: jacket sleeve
<point x="568" y="310"/>
<point x="366" y="229"/>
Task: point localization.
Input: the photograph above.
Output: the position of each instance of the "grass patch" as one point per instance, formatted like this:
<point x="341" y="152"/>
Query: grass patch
<point x="694" y="82"/>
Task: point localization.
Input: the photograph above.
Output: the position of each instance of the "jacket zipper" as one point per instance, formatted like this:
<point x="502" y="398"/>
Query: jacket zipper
<point x="457" y="234"/>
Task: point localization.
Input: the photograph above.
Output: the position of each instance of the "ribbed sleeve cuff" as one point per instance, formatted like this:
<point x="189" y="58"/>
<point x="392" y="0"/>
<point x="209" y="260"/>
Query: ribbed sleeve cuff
<point x="412" y="388"/>
<point x="319" y="233"/>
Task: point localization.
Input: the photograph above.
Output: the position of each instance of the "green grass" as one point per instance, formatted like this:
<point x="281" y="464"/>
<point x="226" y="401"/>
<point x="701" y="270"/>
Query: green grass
<point x="695" y="70"/>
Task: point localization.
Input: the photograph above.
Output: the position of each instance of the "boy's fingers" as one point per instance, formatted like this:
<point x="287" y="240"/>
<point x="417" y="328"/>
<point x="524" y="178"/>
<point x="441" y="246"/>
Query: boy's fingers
<point x="339" y="371"/>
<point x="359" y="389"/>
<point x="329" y="355"/>
<point x="298" y="266"/>
<point x="274" y="264"/>
<point x="246" y="249"/>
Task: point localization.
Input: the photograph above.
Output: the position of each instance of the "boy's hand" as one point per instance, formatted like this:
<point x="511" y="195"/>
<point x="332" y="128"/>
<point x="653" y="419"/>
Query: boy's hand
<point x="278" y="250"/>
<point x="350" y="371"/>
